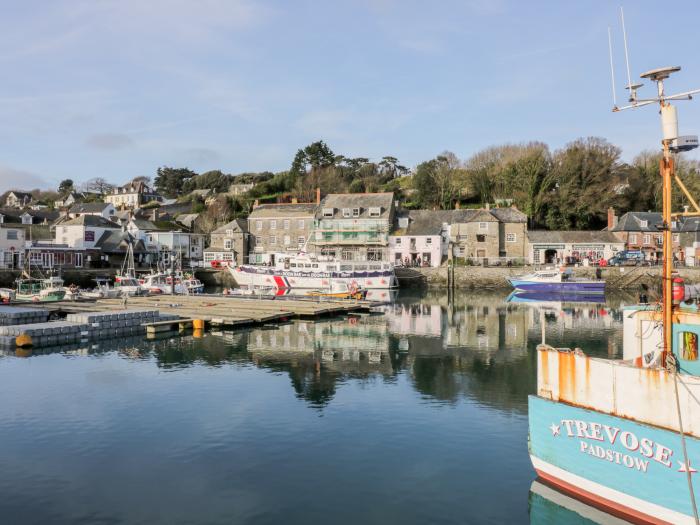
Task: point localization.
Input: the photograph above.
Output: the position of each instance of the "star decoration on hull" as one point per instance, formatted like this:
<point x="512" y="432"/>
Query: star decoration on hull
<point x="683" y="467"/>
<point x="555" y="429"/>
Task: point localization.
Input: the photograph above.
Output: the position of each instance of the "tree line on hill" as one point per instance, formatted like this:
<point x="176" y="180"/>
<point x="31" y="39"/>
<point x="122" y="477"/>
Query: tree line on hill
<point x="568" y="188"/>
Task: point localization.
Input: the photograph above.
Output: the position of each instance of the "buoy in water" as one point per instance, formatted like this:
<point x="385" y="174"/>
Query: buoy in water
<point x="23" y="340"/>
<point x="198" y="324"/>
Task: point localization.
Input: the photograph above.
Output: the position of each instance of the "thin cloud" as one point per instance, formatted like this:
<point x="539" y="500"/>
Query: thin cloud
<point x="15" y="179"/>
<point x="109" y="141"/>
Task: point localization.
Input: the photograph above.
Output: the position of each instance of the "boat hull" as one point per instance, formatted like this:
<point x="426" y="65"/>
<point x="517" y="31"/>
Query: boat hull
<point x="630" y="469"/>
<point x="586" y="287"/>
<point x="250" y="275"/>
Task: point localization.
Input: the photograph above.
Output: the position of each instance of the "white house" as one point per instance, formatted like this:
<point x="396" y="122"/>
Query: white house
<point x="84" y="231"/>
<point x="547" y="247"/>
<point x="189" y="246"/>
<point x="11" y="246"/>
<point x="421" y="238"/>
<point x="132" y="195"/>
<point x="18" y="199"/>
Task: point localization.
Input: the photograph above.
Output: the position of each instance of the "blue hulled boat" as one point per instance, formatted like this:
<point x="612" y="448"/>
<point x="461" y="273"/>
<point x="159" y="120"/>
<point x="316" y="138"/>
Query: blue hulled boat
<point x="624" y="434"/>
<point x="556" y="281"/>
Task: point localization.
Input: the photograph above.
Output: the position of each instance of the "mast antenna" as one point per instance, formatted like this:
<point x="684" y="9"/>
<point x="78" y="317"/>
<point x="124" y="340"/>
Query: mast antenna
<point x="612" y="68"/>
<point x="632" y="88"/>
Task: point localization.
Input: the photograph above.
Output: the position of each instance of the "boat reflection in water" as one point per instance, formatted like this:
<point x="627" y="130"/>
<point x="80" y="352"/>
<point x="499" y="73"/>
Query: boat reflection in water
<point x="548" y="506"/>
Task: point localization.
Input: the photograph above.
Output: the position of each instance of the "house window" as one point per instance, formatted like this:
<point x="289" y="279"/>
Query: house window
<point x="398" y="241"/>
<point x="347" y="213"/>
<point x="483" y="226"/>
<point x="676" y="238"/>
<point x="375" y="212"/>
<point x="301" y="224"/>
<point x="11" y="235"/>
<point x="429" y="240"/>
<point x="286" y="224"/>
<point x="647" y="238"/>
<point x="273" y="239"/>
<point x="273" y="224"/>
<point x="287" y="240"/>
<point x="356" y="212"/>
<point x="689" y="346"/>
<point x="328" y="212"/>
<point x="510" y="237"/>
<point x="258" y="225"/>
<point x="26" y="219"/>
<point x="301" y="240"/>
<point x="633" y="238"/>
<point x="644" y="224"/>
<point x="228" y="244"/>
<point x="229" y="232"/>
<point x="481" y="238"/>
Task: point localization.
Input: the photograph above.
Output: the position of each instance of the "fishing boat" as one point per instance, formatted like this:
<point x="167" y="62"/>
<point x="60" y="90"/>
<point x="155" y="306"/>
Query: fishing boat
<point x="102" y="290"/>
<point x="306" y="271"/>
<point x="559" y="280"/>
<point x="624" y="434"/>
<point x="40" y="290"/>
<point x="125" y="282"/>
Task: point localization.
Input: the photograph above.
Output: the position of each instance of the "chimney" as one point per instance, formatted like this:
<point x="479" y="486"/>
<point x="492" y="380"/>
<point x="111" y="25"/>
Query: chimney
<point x="488" y="206"/>
<point x="612" y="218"/>
<point x="457" y="205"/>
<point x="318" y="195"/>
<point x="154" y="215"/>
<point x="256" y="203"/>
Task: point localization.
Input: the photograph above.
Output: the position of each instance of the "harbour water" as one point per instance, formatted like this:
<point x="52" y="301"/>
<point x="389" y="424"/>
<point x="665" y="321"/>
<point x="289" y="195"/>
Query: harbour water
<point x="415" y="416"/>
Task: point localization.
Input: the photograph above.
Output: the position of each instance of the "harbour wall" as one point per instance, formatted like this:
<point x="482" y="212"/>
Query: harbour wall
<point x="476" y="277"/>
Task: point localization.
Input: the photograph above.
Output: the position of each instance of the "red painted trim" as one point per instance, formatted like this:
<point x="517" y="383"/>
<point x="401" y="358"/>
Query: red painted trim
<point x="279" y="282"/>
<point x="616" y="509"/>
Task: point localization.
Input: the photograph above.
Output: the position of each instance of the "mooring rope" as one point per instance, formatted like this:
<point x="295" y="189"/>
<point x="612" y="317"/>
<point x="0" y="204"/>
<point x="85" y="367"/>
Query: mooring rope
<point x="672" y="366"/>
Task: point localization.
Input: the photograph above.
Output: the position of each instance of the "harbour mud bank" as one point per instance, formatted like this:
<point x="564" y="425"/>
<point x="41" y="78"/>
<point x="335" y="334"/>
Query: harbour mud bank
<point x="476" y="277"/>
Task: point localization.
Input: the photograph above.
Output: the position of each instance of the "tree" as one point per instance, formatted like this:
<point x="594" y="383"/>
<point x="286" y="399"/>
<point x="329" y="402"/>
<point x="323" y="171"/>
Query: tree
<point x="97" y="185"/>
<point x="170" y="181"/>
<point x="438" y="182"/>
<point x="143" y="178"/>
<point x="211" y="180"/>
<point x="65" y="187"/>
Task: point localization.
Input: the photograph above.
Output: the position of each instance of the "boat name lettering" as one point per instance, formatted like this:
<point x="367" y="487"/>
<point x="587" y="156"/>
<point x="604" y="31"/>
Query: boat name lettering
<point x="585" y="430"/>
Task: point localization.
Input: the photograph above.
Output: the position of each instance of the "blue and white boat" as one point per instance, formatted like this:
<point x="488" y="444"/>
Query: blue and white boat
<point x="555" y="280"/>
<point x="624" y="434"/>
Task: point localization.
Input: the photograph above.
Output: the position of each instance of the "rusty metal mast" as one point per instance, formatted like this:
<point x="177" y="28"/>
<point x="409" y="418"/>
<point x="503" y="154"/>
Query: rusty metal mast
<point x="671" y="143"/>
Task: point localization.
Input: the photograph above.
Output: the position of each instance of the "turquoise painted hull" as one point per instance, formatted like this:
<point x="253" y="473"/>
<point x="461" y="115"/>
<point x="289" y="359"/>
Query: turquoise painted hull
<point x="630" y="468"/>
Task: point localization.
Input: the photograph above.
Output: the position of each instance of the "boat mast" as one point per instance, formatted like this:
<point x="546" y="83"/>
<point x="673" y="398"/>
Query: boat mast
<point x="671" y="143"/>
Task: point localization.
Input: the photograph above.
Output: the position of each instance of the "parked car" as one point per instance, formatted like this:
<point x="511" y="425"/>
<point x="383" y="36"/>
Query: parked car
<point x="628" y="258"/>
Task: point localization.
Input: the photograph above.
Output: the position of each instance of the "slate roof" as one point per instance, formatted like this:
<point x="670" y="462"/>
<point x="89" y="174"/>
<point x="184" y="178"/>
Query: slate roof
<point x="429" y="222"/>
<point x="118" y="241"/>
<point x="236" y="224"/>
<point x="508" y="214"/>
<point x="283" y="210"/>
<point x="143" y="224"/>
<point x="632" y="222"/>
<point x="364" y="201"/>
<point x="89" y="207"/>
<point x="187" y="219"/>
<point x="575" y="237"/>
<point x="92" y="220"/>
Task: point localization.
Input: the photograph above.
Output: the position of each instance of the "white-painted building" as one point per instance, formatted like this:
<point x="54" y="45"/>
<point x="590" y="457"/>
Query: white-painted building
<point x="84" y="231"/>
<point x="102" y="209"/>
<point x="132" y="195"/>
<point x="189" y="246"/>
<point x="420" y="239"/>
<point x="11" y="246"/>
<point x="548" y="247"/>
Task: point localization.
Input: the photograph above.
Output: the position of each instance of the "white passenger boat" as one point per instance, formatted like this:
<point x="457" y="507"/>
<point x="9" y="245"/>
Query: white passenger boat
<point x="177" y="282"/>
<point x="304" y="271"/>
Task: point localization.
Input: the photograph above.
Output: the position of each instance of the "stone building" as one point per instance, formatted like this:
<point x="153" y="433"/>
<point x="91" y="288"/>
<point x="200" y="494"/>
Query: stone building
<point x="354" y="226"/>
<point x="552" y="247"/>
<point x="279" y="228"/>
<point x="229" y="243"/>
<point x="18" y="199"/>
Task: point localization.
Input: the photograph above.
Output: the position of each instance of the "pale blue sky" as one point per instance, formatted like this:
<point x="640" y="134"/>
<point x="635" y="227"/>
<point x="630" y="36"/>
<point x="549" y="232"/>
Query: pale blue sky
<point x="117" y="88"/>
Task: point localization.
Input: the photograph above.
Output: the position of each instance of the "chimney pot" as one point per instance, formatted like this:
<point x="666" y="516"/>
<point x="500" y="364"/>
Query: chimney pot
<point x="318" y="195"/>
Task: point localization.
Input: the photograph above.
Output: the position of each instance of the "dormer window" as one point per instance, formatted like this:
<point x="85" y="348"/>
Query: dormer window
<point x="644" y="224"/>
<point x="375" y="212"/>
<point x="328" y="212"/>
<point x="403" y="222"/>
<point x="356" y="212"/>
<point x="26" y="219"/>
<point x="347" y="213"/>
<point x="483" y="226"/>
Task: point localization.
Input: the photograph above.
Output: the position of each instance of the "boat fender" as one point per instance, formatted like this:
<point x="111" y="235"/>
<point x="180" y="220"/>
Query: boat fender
<point x="678" y="290"/>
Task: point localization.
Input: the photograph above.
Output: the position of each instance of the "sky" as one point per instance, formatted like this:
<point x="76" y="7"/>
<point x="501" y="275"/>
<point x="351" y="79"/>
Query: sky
<point x="115" y="89"/>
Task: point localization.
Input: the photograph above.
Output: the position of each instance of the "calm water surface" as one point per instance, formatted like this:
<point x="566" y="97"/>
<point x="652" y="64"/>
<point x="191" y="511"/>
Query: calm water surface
<point x="415" y="416"/>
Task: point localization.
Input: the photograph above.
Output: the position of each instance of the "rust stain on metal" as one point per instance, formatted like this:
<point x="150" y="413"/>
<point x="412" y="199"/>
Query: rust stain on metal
<point x="544" y="363"/>
<point x="567" y="376"/>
